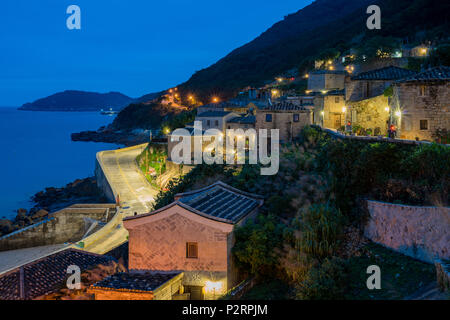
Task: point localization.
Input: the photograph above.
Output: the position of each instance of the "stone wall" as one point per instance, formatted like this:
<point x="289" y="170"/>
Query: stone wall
<point x="370" y="113"/>
<point x="67" y="225"/>
<point x="356" y="90"/>
<point x="432" y="106"/>
<point x="283" y="120"/>
<point x="420" y="232"/>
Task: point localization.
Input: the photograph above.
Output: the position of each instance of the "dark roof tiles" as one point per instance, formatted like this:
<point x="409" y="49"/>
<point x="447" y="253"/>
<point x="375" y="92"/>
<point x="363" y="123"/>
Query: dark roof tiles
<point x="243" y="120"/>
<point x="285" y="106"/>
<point x="147" y="281"/>
<point x="387" y="73"/>
<point x="213" y="114"/>
<point x="441" y="73"/>
<point x="43" y="276"/>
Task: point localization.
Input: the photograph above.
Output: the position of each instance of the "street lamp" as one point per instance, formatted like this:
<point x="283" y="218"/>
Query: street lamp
<point x="344" y="109"/>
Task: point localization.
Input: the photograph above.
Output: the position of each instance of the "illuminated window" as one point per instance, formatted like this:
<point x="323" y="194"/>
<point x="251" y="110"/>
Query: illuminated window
<point x="423" y="124"/>
<point x="192" y="250"/>
<point x="268" y="117"/>
<point x="423" y="91"/>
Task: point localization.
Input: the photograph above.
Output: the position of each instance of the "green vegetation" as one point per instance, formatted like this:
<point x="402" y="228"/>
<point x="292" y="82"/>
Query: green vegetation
<point x="308" y="232"/>
<point x="143" y="116"/>
<point x="179" y="120"/>
<point x="401" y="275"/>
<point x="301" y="38"/>
<point x="152" y="162"/>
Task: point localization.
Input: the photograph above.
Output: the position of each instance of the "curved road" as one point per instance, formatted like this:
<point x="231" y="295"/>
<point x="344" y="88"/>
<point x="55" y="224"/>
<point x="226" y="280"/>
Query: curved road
<point x="135" y="192"/>
<point x="136" y="195"/>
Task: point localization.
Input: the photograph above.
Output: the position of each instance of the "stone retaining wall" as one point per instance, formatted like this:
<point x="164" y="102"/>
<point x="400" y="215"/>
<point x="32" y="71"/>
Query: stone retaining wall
<point x="67" y="225"/>
<point x="420" y="232"/>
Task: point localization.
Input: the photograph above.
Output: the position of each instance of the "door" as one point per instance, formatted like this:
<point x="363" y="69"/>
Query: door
<point x="196" y="292"/>
<point x="337" y="121"/>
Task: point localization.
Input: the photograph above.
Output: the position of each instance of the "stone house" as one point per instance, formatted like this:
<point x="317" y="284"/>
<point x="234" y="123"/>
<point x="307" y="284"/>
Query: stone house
<point x="215" y="119"/>
<point x="421" y="104"/>
<point x="320" y="80"/>
<point x="193" y="234"/>
<point x="329" y="109"/>
<point x="242" y="122"/>
<point x="366" y="101"/>
<point x="140" y="286"/>
<point x="287" y="117"/>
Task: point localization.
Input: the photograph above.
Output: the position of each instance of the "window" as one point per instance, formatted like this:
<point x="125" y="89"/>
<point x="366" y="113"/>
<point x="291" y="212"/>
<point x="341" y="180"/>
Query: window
<point x="216" y="122"/>
<point x="208" y="123"/>
<point x="423" y="124"/>
<point x="296" y="117"/>
<point x="192" y="250"/>
<point x="336" y="99"/>
<point x="268" y="117"/>
<point x="422" y="91"/>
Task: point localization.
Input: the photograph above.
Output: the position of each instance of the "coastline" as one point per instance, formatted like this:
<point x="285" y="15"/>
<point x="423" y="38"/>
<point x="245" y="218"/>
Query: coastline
<point x="52" y="199"/>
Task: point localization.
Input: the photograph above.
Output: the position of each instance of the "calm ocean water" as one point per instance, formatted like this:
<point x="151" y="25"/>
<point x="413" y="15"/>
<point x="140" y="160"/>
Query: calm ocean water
<point x="37" y="152"/>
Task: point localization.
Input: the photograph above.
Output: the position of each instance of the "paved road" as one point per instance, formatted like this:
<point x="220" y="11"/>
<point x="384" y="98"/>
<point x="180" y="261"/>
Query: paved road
<point x="135" y="193"/>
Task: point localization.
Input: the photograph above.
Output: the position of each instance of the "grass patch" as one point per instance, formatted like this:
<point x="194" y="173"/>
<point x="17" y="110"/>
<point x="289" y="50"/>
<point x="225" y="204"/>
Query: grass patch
<point x="269" y="290"/>
<point x="400" y="275"/>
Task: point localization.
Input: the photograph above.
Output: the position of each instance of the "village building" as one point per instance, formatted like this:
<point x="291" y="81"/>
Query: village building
<point x="323" y="80"/>
<point x="420" y="104"/>
<point x="367" y="98"/>
<point x="235" y="106"/>
<point x="242" y="122"/>
<point x="329" y="109"/>
<point x="140" y="286"/>
<point x="45" y="276"/>
<point x="418" y="51"/>
<point x="215" y="119"/>
<point x="289" y="118"/>
<point x="193" y="234"/>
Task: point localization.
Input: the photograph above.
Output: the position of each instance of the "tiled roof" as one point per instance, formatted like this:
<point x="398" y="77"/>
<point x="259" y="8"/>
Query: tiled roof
<point x="387" y="73"/>
<point x="147" y="281"/>
<point x="218" y="201"/>
<point x="441" y="73"/>
<point x="213" y="114"/>
<point x="284" y="106"/>
<point x="244" y="120"/>
<point x="221" y="201"/>
<point x="44" y="276"/>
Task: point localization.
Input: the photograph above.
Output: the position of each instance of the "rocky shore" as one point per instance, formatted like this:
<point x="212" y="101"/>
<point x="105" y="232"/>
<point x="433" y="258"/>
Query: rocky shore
<point x="51" y="200"/>
<point x="126" y="138"/>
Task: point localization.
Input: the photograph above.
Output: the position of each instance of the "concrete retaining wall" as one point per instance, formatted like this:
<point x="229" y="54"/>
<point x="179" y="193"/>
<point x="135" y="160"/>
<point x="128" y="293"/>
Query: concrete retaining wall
<point x="67" y="225"/>
<point x="420" y="232"/>
<point x="101" y="172"/>
<point x="102" y="181"/>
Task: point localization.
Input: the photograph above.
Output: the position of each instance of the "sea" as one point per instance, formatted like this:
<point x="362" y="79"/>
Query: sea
<point x="37" y="152"/>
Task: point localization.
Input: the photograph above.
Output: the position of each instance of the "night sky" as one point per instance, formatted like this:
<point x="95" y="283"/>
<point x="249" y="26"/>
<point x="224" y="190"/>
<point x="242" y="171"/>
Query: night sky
<point x="135" y="47"/>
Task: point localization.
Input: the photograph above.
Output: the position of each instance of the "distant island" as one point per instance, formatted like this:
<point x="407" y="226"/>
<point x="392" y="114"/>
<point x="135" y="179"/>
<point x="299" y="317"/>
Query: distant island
<point x="73" y="100"/>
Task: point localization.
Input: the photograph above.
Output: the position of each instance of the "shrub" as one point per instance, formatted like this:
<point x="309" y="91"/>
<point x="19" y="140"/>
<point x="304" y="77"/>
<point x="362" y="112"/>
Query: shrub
<point x="321" y="227"/>
<point x="255" y="244"/>
<point x="326" y="281"/>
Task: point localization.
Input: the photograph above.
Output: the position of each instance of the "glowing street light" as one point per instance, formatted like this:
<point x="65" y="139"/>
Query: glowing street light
<point x="398" y="113"/>
<point x="215" y="99"/>
<point x="344" y="109"/>
<point x="386" y="109"/>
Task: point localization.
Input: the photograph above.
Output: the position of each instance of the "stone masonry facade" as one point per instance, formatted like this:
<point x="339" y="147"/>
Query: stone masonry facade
<point x="425" y="108"/>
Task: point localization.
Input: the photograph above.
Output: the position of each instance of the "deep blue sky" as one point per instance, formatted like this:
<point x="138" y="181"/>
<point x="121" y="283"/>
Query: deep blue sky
<point x="135" y="47"/>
